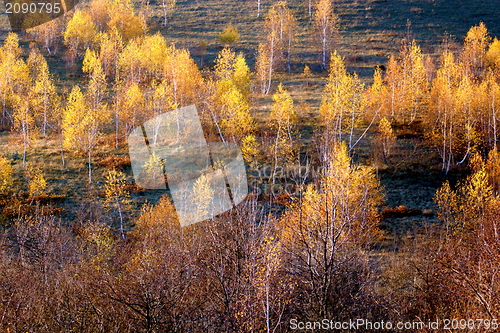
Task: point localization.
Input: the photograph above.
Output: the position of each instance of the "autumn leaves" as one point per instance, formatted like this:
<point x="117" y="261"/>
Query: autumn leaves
<point x="28" y="92"/>
<point x="281" y="30"/>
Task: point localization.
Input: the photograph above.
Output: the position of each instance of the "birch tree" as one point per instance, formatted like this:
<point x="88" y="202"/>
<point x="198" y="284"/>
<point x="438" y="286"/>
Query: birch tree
<point x="116" y="194"/>
<point x="168" y="8"/>
<point x="325" y="234"/>
<point x="81" y="125"/>
<point x="342" y="101"/>
<point x="283" y="121"/>
<point x="23" y="116"/>
<point x="326" y="22"/>
<point x="45" y="100"/>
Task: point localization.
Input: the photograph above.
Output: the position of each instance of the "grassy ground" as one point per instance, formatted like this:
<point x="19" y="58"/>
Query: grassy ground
<point x="370" y="31"/>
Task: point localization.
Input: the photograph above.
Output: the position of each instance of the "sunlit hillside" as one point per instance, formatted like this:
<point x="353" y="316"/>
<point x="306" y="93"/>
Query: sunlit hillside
<point x="250" y="166"/>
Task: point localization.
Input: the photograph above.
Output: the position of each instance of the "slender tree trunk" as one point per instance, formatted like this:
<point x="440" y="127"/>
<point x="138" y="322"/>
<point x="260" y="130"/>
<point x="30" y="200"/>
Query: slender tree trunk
<point x="494" y="118"/>
<point x="276" y="155"/>
<point x="443" y="153"/>
<point x="62" y="156"/>
<point x="288" y="56"/>
<point x="4" y="108"/>
<point x="116" y="129"/>
<point x="90" y="166"/>
<point x="351" y="134"/>
<point x="324" y="49"/>
<point x="122" y="234"/>
<point x="25" y="141"/>
<point x="271" y="64"/>
<point x="45" y="107"/>
<point x="164" y="5"/>
<point x="268" y="322"/>
<point x="450" y="147"/>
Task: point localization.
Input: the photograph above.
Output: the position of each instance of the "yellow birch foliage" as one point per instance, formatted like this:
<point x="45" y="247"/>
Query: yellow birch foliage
<point x="478" y="193"/>
<point x="250" y="150"/>
<point x="152" y="177"/>
<point x="162" y="99"/>
<point x="45" y="101"/>
<point x="273" y="288"/>
<point x="493" y="54"/>
<point x="340" y="216"/>
<point x="203" y="196"/>
<point x="241" y="75"/>
<point x="326" y="22"/>
<point x="157" y="225"/>
<point x="287" y="26"/>
<point x="128" y="25"/>
<point x="467" y="206"/>
<point x="283" y="116"/>
<point x="263" y="67"/>
<point x="236" y="120"/>
<point x="74" y="119"/>
<point x="342" y="99"/>
<point x="80" y="123"/>
<point x="155" y="54"/>
<point x="80" y="32"/>
<point x="466" y="117"/>
<point x="474" y="51"/>
<point x="36" y="181"/>
<point x="224" y="64"/>
<point x="233" y="68"/>
<point x="417" y="84"/>
<point x="306" y="75"/>
<point x="283" y="120"/>
<point x="182" y="74"/>
<point x="377" y="98"/>
<point x="278" y="31"/>
<point x="120" y="16"/>
<point x="408" y="85"/>
<point x="116" y="194"/>
<point x="144" y="59"/>
<point x="442" y="117"/>
<point x="21" y="99"/>
<point x="131" y="63"/>
<point x="115" y="187"/>
<point x="6" y="174"/>
<point x="97" y="113"/>
<point x="229" y="35"/>
<point x="100" y="12"/>
<point x="394" y="79"/>
<point x="492" y="168"/>
<point x="117" y="15"/>
<point x="347" y="201"/>
<point x="97" y="80"/>
<point x="385" y="138"/>
<point x="488" y="96"/>
<point x="131" y="105"/>
<point x="110" y="47"/>
<point x="231" y="94"/>
<point x="100" y="244"/>
<point x="10" y="53"/>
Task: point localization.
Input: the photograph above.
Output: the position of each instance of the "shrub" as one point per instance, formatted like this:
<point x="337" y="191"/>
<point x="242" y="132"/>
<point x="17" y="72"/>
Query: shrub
<point x="229" y="35"/>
